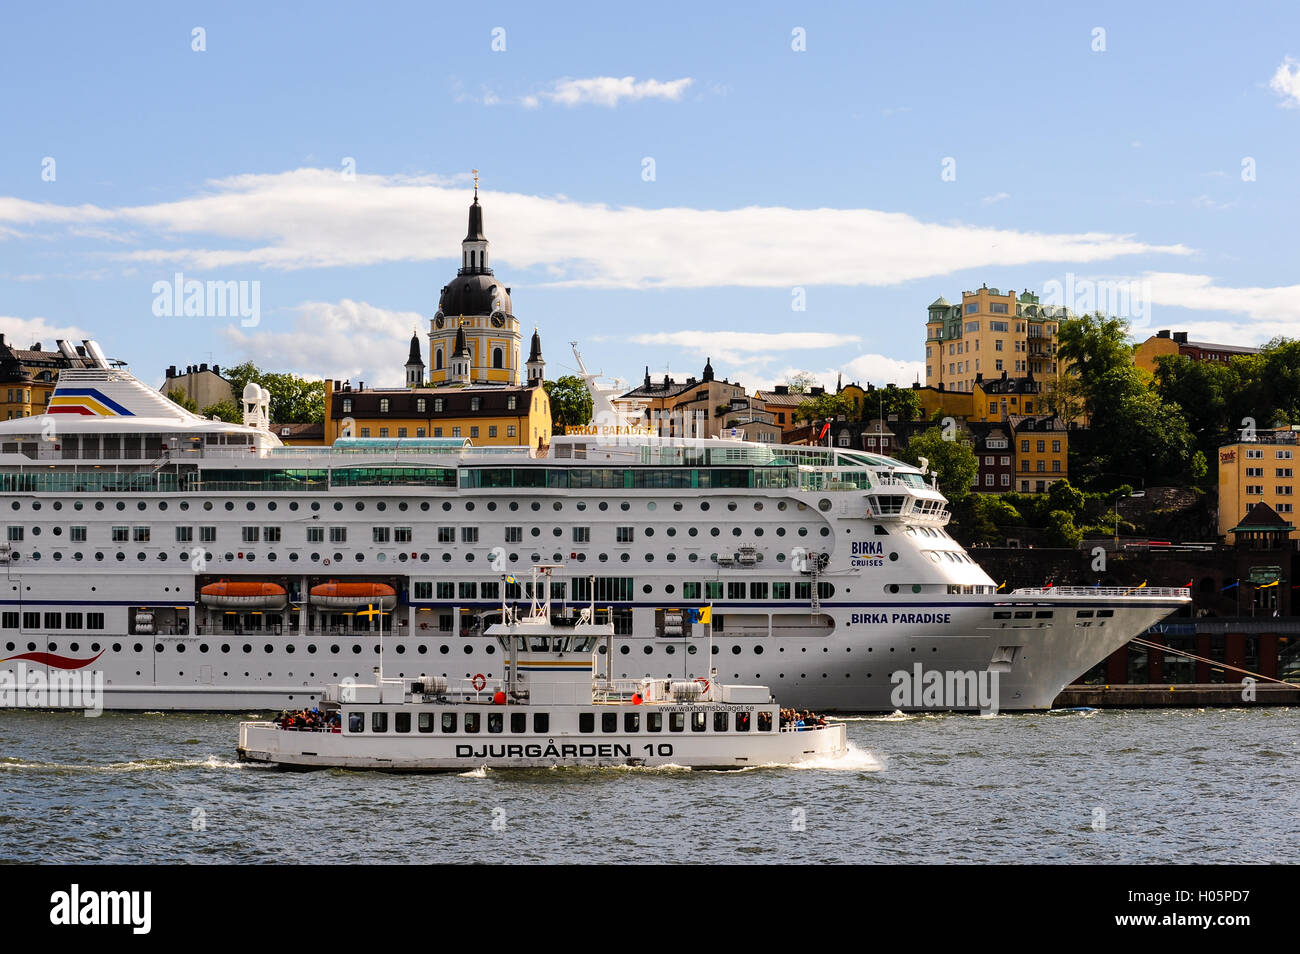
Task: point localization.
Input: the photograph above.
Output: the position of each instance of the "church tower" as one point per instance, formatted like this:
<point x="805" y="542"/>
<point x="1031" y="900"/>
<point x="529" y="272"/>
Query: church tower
<point x="475" y="306"/>
<point x="536" y="365"/>
<point x="415" y="364"/>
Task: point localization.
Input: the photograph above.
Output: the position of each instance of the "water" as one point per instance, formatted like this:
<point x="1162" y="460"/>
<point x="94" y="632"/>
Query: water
<point x="1174" y="786"/>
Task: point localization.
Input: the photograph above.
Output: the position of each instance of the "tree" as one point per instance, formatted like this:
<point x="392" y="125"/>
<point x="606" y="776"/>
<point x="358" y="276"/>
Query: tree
<point x="1061" y="496"/>
<point x="1061" y="531"/>
<point x="571" y="402"/>
<point x="951" y="461"/>
<point x="1091" y="347"/>
<point x="903" y="402"/>
<point x="800" y="382"/>
<point x="294" y="400"/>
<point x="823" y="407"/>
<point x="227" y="411"/>
<point x="184" y="400"/>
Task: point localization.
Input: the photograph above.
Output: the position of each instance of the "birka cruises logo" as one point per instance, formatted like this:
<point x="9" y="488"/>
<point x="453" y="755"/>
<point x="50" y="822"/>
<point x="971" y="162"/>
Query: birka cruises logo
<point x="55" y="682"/>
<point x="97" y="908"/>
<point x="945" y="689"/>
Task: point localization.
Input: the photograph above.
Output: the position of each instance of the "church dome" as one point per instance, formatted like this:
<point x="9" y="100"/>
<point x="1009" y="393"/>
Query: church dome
<point x="474" y="295"/>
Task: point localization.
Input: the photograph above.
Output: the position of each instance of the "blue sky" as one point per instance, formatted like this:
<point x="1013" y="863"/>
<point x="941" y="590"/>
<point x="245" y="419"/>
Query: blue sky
<point x="1111" y="157"/>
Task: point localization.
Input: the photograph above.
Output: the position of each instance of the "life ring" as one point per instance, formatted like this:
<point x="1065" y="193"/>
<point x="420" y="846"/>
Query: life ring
<point x="478" y="682"/>
<point x="703" y="682"/>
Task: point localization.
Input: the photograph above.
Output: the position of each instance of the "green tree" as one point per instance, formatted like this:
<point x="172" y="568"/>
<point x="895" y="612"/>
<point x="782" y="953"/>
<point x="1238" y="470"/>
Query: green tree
<point x="904" y="402"/>
<point x="227" y="411"/>
<point x="294" y="400"/>
<point x="1061" y="531"/>
<point x="571" y="402"/>
<point x="823" y="407"/>
<point x="184" y="400"/>
<point x="953" y="462"/>
<point x="1061" y="496"/>
<point x="801" y="382"/>
<point x="1092" y="347"/>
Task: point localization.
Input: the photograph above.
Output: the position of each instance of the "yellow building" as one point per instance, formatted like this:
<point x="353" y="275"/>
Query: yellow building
<point x="28" y="376"/>
<point x="507" y="415"/>
<point x="994" y="400"/>
<point x="1164" y="343"/>
<point x="1041" y="451"/>
<point x="989" y="333"/>
<point x="696" y="407"/>
<point x="1251" y="471"/>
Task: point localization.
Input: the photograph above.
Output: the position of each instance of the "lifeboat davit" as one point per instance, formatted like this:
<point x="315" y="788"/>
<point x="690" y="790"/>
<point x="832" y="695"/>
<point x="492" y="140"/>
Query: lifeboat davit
<point x="354" y="595"/>
<point x="244" y="593"/>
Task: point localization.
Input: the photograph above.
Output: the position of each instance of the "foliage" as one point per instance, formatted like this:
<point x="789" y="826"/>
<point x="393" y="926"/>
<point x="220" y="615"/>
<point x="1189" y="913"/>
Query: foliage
<point x="1061" y="531"/>
<point x="227" y="411"/>
<point x="184" y="400"/>
<point x="801" y="382"/>
<point x="823" y="407"/>
<point x="904" y="402"/>
<point x="294" y="400"/>
<point x="571" y="402"/>
<point x="953" y="462"/>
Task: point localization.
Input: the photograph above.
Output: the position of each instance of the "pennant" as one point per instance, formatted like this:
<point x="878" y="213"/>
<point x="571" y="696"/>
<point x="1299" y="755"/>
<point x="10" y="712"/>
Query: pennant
<point x="1228" y="587"/>
<point x="511" y="580"/>
<point x="1001" y="587"/>
<point x="703" y="614"/>
<point x="825" y="427"/>
<point x="1188" y="584"/>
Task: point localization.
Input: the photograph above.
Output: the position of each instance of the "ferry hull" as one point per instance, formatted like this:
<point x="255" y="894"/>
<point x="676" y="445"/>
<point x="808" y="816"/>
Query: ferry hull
<point x="306" y="750"/>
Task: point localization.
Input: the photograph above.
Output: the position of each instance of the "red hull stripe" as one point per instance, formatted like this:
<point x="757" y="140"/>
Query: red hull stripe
<point x="58" y="662"/>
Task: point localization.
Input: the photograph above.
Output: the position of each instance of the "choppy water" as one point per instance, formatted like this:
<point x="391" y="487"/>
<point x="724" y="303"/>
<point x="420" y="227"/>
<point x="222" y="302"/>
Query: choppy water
<point x="1174" y="786"/>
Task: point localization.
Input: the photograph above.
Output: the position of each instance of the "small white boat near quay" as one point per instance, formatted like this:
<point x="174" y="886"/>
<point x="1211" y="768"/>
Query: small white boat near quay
<point x="551" y="708"/>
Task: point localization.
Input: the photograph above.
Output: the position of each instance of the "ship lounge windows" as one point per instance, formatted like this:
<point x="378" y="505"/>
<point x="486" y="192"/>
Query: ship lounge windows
<point x="449" y="722"/>
<point x="519" y="722"/>
<point x="699" y="721"/>
<point x="677" y="722"/>
<point x="402" y="722"/>
<point x="609" y="722"/>
<point x="473" y="721"/>
<point x="586" y="722"/>
<point x="496" y="722"/>
<point x="356" y="722"/>
<point x="541" y="723"/>
<point x="632" y="722"/>
<point x="654" y="722"/>
<point x="425" y="722"/>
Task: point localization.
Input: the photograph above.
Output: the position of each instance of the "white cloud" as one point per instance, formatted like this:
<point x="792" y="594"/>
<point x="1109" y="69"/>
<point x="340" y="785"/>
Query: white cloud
<point x="995" y="198"/>
<point x="315" y="218"/>
<point x="24" y="332"/>
<point x="1270" y="311"/>
<point x="345" y="339"/>
<point x="1286" y="82"/>
<point x="738" y="346"/>
<point x="611" y="90"/>
<point x="865" y="369"/>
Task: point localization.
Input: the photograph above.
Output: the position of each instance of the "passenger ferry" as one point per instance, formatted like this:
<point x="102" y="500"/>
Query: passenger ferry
<point x="202" y="565"/>
<point x="550" y="707"/>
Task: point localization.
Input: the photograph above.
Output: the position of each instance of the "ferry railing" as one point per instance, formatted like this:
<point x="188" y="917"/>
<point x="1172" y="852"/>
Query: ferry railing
<point x="1107" y="592"/>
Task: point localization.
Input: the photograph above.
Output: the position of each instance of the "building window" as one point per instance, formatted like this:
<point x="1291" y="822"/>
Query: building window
<point x="437" y="405"/>
<point x="347" y="405"/>
<point x="473" y="431"/>
<point x="510" y="430"/>
<point x="401" y="432"/>
<point x="365" y="432"/>
<point x="455" y="431"/>
<point x="1255" y="490"/>
<point x="421" y="405"/>
<point x="1042" y="446"/>
<point x="437" y="432"/>
<point x="476" y="404"/>
<point x="383" y="405"/>
<point x="1056" y="447"/>
<point x="498" y="359"/>
<point x="1284" y="490"/>
<point x="1006" y="480"/>
<point x="383" y="432"/>
<point x="492" y="430"/>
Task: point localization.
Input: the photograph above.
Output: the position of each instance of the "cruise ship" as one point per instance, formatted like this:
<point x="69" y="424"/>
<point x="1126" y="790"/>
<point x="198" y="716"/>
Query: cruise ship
<point x="203" y="565"/>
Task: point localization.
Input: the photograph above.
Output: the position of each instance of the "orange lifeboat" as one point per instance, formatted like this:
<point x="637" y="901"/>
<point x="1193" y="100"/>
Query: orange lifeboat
<point x="354" y="595"/>
<point x="255" y="594"/>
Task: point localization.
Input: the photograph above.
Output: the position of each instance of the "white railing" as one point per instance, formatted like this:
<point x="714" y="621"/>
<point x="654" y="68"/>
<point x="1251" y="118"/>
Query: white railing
<point x="1107" y="592"/>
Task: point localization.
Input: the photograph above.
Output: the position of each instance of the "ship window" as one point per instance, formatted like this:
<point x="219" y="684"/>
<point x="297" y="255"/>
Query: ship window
<point x="519" y="722"/>
<point x="425" y="722"/>
<point x="449" y="722"/>
<point x="1023" y="614"/>
<point x="1044" y="614"/>
<point x="402" y="722"/>
<point x="677" y="722"/>
<point x="719" y="722"/>
<point x="586" y="722"/>
<point x="631" y="722"/>
<point x="609" y="722"/>
<point x="472" y="721"/>
<point x="379" y="722"/>
<point x="496" y="722"/>
<point x="1001" y="614"/>
<point x="1105" y="614"/>
<point x="764" y="721"/>
<point x="1085" y="614"/>
<point x="654" y="722"/>
<point x="699" y="721"/>
<point x="742" y="721"/>
<point x="356" y="722"/>
<point x="541" y="722"/>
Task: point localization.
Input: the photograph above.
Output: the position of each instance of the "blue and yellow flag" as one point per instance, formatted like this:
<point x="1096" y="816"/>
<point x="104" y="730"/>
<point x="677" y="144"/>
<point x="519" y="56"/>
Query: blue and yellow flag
<point x="702" y="615"/>
<point x="511" y="580"/>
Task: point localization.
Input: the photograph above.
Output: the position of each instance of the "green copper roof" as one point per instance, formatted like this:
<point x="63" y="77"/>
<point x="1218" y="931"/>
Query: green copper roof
<point x="941" y="302"/>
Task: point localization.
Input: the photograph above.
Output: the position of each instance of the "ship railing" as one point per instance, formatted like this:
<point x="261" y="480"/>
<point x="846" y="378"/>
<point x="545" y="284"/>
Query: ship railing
<point x="793" y="727"/>
<point x="1107" y="592"/>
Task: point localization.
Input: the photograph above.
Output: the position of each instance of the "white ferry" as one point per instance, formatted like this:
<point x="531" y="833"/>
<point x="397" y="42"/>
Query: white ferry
<point x="551" y="707"/>
<point x="202" y="565"/>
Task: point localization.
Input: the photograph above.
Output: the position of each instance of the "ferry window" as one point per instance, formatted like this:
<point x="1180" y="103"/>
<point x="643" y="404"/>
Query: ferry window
<point x="586" y="722"/>
<point x="780" y="591"/>
<point x="469" y="534"/>
<point x="207" y="534"/>
<point x="72" y="620"/>
<point x="1023" y="614"/>
<point x="53" y="620"/>
<point x="609" y="722"/>
<point x="446" y="534"/>
<point x="31" y="620"/>
<point x="623" y="534"/>
<point x="1085" y="614"/>
<point x="742" y="721"/>
<point x="338" y="534"/>
<point x="15" y="534"/>
<point x="183" y="534"/>
<point x="654" y="722"/>
<point x="315" y="534"/>
<point x="514" y="534"/>
<point x="121" y="534"/>
<point x="1105" y="614"/>
<point x="77" y="534"/>
<point x="1044" y="614"/>
<point x="425" y="722"/>
<point x="10" y="621"/>
<point x="541" y="722"/>
<point x="713" y="589"/>
<point x="631" y="722"/>
<point x="519" y="722"/>
<point x="449" y="722"/>
<point x="677" y="722"/>
<point x="250" y="534"/>
<point x="356" y="722"/>
<point x="467" y="591"/>
<point x="690" y="591"/>
<point x="379" y="722"/>
<point x="489" y="590"/>
<point x="140" y="534"/>
<point x="422" y="590"/>
<point x="94" y="621"/>
<point x="446" y="591"/>
<point x="496" y="722"/>
<point x="402" y="722"/>
<point x="1001" y="614"/>
<point x="472" y="721"/>
<point x="699" y="721"/>
<point x="764" y="721"/>
<point x="719" y="722"/>
<point x="401" y="534"/>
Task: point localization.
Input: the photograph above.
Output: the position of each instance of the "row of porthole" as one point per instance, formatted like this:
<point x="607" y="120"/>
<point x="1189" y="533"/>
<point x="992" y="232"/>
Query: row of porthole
<point x="401" y="505"/>
<point x="249" y="557"/>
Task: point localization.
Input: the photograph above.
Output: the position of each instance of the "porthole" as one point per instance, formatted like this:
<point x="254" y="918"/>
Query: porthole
<point x="647" y="650"/>
<point x="469" y="506"/>
<point x="492" y="505"/>
<point x="704" y="505"/>
<point x="731" y="505"/>
<point x="356" y="650"/>
<point x="735" y="650"/>
<point x="893" y="556"/>
<point x="624" y="649"/>
<point x="651" y="505"/>
<point x="230" y="505"/>
<point x="250" y="506"/>
<point x="444" y="649"/>
<point x="677" y="505"/>
<point x="311" y="648"/>
<point x="514" y="505"/>
<point x="604" y="505"/>
<point x="315" y="505"/>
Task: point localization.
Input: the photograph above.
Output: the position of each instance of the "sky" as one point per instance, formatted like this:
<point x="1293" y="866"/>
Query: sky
<point x="777" y="187"/>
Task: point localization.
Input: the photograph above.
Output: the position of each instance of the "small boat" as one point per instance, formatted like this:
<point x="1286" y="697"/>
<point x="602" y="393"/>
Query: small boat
<point x="244" y="593"/>
<point x="550" y="707"/>
<point x="338" y="595"/>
